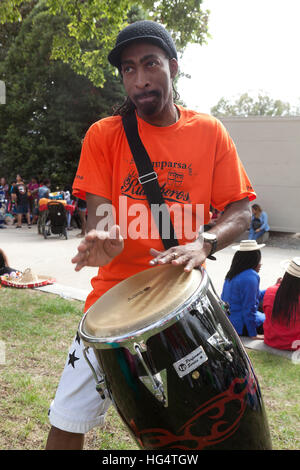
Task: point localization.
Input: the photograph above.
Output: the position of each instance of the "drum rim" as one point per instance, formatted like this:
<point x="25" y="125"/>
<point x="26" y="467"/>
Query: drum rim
<point x="154" y="328"/>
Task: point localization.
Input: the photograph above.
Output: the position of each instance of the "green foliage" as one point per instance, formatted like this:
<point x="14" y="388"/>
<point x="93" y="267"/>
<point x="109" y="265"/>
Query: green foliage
<point x="49" y="107"/>
<point x="53" y="59"/>
<point x="10" y="29"/>
<point x="10" y="11"/>
<point x="87" y="38"/>
<point x="184" y="18"/>
<point x="92" y="26"/>
<point x="246" y="106"/>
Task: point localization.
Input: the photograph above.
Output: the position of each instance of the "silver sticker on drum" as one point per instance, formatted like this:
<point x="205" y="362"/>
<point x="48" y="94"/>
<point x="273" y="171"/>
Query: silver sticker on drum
<point x="190" y="362"/>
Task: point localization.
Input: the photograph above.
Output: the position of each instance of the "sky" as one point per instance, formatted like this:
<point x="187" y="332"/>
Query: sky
<point x="254" y="48"/>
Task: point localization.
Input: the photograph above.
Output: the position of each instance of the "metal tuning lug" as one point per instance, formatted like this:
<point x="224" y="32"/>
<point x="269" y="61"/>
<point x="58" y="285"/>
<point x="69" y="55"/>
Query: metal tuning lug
<point x="219" y="341"/>
<point x="155" y="383"/>
<point x="100" y="382"/>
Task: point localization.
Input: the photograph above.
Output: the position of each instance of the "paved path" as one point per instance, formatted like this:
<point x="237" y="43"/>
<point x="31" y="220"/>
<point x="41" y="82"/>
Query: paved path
<point x="25" y="248"/>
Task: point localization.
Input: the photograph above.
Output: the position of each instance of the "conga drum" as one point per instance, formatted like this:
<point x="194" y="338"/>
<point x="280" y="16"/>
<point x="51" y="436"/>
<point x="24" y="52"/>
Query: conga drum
<point x="173" y="365"/>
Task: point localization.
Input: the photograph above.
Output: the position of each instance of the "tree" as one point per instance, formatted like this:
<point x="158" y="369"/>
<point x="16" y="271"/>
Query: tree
<point x="246" y="106"/>
<point x="49" y="107"/>
<point x="10" y="30"/>
<point x="92" y="26"/>
<point x="53" y="59"/>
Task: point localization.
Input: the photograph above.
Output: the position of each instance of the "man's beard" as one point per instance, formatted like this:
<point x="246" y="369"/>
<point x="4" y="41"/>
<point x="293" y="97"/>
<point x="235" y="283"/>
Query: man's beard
<point x="148" y="108"/>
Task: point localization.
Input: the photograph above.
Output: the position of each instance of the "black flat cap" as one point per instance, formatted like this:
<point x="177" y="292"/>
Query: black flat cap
<point x="145" y="30"/>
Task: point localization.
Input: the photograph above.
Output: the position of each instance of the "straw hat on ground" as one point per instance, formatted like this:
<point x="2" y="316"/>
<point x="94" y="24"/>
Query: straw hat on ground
<point x="248" y="245"/>
<point x="26" y="280"/>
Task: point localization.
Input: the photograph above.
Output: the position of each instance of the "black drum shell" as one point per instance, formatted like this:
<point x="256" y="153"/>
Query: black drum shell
<point x="219" y="407"/>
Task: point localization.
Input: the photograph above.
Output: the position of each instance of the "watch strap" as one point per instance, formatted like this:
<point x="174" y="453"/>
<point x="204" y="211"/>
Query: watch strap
<point x="213" y="245"/>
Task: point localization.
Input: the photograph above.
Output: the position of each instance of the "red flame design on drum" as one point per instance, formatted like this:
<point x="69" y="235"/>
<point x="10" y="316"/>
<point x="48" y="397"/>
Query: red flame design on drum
<point x="214" y="409"/>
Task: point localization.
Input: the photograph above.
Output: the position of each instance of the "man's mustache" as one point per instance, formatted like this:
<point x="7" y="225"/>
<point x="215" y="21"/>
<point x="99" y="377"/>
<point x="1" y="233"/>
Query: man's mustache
<point x="147" y="94"/>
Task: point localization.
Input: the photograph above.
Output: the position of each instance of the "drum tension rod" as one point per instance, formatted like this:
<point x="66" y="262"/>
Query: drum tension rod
<point x="100" y="383"/>
<point x="217" y="339"/>
<point x="156" y="384"/>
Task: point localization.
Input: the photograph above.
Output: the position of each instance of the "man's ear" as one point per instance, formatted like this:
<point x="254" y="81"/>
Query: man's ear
<point x="173" y="64"/>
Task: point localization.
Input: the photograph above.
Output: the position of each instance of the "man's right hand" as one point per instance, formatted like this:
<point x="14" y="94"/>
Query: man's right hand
<point x="98" y="248"/>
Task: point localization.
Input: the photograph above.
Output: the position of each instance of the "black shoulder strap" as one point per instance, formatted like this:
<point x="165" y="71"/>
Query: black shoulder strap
<point x="148" y="179"/>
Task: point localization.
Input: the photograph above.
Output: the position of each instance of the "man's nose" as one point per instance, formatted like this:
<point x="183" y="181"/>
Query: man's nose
<point x="141" y="79"/>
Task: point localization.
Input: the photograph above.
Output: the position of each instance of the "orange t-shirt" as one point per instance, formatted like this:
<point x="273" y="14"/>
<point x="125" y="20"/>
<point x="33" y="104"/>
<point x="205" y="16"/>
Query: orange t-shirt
<point x="197" y="166"/>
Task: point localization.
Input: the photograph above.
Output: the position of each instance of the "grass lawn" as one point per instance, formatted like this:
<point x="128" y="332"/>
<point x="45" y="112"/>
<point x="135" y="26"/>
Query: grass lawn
<point x="37" y="329"/>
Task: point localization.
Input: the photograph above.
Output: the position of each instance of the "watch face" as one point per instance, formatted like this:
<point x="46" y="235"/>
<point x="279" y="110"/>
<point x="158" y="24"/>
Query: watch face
<point x="209" y="236"/>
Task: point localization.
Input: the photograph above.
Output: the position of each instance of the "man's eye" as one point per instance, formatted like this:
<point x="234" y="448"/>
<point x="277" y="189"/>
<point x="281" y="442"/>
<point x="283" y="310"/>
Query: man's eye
<point x="127" y="69"/>
<point x="151" y="63"/>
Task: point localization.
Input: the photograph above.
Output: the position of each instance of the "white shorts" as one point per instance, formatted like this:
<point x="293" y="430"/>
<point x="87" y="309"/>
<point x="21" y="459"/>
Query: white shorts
<point x="77" y="406"/>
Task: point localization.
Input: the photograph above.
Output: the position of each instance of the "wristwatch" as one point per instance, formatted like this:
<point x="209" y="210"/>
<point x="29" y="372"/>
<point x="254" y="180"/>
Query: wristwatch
<point x="212" y="239"/>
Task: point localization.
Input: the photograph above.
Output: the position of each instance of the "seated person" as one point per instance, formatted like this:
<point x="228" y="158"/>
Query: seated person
<point x="4" y="266"/>
<point x="259" y="223"/>
<point x="241" y="290"/>
<point x="281" y="306"/>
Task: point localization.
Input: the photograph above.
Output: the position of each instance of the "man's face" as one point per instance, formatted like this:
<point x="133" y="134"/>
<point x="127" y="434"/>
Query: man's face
<point x="147" y="77"/>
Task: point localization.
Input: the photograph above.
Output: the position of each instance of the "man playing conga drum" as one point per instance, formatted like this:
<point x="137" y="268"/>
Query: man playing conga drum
<point x="196" y="163"/>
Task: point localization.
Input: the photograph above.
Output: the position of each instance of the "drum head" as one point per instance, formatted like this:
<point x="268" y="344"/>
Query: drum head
<point x="140" y="301"/>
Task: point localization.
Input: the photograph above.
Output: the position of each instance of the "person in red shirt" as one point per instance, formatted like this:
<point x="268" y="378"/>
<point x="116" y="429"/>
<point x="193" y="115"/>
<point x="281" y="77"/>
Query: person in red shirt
<point x="281" y="306"/>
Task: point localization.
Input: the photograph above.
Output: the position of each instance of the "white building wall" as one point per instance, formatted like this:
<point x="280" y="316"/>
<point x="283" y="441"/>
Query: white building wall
<point x="270" y="151"/>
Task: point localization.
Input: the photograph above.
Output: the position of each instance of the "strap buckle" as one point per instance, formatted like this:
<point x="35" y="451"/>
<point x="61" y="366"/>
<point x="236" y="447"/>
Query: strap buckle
<point x="147" y="177"/>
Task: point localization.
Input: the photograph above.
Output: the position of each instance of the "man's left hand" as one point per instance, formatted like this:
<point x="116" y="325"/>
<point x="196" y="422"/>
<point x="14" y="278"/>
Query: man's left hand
<point x="191" y="255"/>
